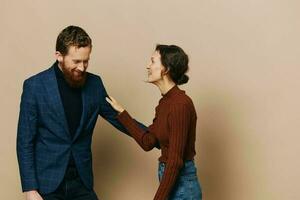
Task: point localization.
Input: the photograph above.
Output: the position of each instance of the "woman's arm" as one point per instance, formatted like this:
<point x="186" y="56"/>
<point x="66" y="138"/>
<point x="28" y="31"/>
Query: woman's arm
<point x="179" y="122"/>
<point x="143" y="137"/>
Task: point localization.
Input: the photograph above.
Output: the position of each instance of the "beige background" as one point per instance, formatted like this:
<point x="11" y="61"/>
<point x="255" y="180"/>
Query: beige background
<point x="244" y="80"/>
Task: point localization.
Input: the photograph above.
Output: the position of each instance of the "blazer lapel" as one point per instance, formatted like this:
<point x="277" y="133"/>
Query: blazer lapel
<point x="55" y="100"/>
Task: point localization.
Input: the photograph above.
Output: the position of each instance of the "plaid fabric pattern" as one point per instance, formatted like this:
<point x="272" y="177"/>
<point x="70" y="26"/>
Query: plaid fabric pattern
<point x="44" y="144"/>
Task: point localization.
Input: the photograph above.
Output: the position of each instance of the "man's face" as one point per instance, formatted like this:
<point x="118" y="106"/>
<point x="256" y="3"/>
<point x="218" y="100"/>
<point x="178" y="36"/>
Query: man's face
<point x="74" y="65"/>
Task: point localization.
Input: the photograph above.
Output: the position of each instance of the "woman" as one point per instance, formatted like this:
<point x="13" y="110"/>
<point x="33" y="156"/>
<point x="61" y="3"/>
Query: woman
<point x="173" y="127"/>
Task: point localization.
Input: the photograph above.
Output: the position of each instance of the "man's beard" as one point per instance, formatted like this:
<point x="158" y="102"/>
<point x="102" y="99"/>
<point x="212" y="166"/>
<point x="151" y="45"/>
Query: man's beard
<point x="70" y="78"/>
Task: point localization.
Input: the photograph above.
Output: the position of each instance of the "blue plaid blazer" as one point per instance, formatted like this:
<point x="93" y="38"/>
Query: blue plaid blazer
<point x="44" y="144"/>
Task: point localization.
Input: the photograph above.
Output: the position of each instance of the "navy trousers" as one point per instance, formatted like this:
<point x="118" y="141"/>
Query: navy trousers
<point x="71" y="188"/>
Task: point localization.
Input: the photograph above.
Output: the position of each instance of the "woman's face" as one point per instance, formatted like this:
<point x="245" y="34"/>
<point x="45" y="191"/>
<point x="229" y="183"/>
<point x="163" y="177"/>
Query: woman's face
<point x="155" y="68"/>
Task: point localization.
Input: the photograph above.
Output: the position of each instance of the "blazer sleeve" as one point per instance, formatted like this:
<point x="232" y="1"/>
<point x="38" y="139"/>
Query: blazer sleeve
<point x="108" y="113"/>
<point x="26" y="132"/>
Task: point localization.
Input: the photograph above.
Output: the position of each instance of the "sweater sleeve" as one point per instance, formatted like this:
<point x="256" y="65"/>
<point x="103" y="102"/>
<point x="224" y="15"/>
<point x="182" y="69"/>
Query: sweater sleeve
<point x="178" y="121"/>
<point x="145" y="138"/>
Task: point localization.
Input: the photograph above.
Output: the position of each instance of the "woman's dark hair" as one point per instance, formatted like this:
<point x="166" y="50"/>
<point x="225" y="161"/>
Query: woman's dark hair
<point x="174" y="59"/>
<point x="72" y="36"/>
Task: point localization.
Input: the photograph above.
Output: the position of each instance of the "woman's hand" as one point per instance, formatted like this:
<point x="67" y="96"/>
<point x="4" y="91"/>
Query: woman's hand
<point x="114" y="104"/>
<point x="33" y="195"/>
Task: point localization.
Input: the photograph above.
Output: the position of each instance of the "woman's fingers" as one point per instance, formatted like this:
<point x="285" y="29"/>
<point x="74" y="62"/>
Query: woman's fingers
<point x="108" y="100"/>
<point x="114" y="104"/>
<point x="112" y="99"/>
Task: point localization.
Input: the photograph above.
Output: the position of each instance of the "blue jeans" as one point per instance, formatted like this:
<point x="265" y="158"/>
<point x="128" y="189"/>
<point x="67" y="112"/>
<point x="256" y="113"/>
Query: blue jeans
<point x="187" y="186"/>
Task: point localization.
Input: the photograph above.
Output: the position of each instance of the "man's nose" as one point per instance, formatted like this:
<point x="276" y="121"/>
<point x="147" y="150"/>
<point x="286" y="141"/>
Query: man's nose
<point x="80" y="67"/>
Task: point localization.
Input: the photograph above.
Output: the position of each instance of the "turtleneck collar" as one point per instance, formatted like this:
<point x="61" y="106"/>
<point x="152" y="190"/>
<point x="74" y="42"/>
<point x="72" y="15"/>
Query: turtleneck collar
<point x="174" y="90"/>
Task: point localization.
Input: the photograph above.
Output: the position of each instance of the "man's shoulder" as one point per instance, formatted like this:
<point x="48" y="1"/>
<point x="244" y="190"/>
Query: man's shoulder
<point x="95" y="78"/>
<point x="39" y="76"/>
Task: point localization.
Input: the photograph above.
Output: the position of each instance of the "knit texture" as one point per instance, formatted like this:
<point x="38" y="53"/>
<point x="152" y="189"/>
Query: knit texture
<point x="174" y="129"/>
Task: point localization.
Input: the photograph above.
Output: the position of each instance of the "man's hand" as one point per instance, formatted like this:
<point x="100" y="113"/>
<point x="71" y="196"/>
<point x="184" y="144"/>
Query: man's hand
<point x="114" y="104"/>
<point x="33" y="195"/>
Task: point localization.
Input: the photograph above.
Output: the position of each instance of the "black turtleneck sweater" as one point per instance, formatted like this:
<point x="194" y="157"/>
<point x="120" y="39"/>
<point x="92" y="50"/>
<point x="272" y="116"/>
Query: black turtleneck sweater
<point x="72" y="104"/>
<point x="71" y="100"/>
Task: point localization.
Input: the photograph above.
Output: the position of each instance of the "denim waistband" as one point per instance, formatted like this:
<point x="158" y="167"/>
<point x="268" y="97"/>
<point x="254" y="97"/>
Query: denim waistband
<point x="188" y="169"/>
<point x="187" y="163"/>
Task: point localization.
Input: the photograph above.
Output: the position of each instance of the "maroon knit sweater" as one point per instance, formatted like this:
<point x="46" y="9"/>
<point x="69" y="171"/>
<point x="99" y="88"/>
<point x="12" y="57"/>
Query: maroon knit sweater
<point x="173" y="128"/>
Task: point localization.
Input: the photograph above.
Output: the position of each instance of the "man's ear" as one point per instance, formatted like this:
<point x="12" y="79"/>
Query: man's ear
<point x="59" y="56"/>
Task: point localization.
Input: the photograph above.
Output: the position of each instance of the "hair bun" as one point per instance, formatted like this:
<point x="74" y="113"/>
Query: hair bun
<point x="183" y="79"/>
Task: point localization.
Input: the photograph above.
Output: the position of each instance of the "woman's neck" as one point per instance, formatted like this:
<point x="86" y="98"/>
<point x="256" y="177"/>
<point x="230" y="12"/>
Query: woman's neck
<point x="165" y="85"/>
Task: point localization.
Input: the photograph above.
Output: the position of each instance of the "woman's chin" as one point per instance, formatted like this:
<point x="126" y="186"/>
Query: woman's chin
<point x="149" y="81"/>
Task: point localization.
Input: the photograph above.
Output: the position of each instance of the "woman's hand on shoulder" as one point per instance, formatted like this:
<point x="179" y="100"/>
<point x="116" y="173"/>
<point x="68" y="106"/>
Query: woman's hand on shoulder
<point x="114" y="104"/>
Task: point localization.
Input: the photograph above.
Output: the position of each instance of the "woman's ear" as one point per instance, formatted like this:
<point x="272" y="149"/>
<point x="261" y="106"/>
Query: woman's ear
<point x="165" y="71"/>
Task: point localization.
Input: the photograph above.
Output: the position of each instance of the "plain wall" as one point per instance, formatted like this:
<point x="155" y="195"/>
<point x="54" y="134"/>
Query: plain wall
<point x="244" y="81"/>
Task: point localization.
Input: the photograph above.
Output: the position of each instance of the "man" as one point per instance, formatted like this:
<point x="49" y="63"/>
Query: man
<point x="58" y="111"/>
